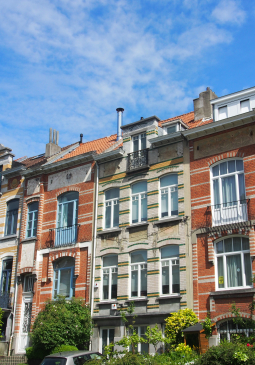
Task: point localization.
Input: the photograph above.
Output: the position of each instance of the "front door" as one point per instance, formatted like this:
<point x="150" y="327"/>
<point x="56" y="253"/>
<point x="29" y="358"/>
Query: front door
<point x="25" y="322"/>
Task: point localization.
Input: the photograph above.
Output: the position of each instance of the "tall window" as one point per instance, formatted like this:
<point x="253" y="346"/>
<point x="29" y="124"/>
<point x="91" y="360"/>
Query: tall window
<point x="107" y="337"/>
<point x="64" y="277"/>
<point x="6" y="275"/>
<point x="139" y="273"/>
<point x="67" y="218"/>
<point x="110" y="272"/>
<point x="141" y="347"/>
<point x="170" y="276"/>
<point x="28" y="284"/>
<point x="139" y="142"/>
<point x="11" y="217"/>
<point x="32" y="218"/>
<point x="228" y="192"/>
<point x="169" y="195"/>
<point x="233" y="263"/>
<point x="112" y="208"/>
<point x="139" y="202"/>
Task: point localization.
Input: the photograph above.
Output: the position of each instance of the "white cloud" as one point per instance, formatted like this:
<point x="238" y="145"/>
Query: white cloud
<point x="229" y="11"/>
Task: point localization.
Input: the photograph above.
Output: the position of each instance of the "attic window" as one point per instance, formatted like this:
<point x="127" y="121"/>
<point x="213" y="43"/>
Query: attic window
<point x="173" y="128"/>
<point x="245" y="106"/>
<point x="223" y="112"/>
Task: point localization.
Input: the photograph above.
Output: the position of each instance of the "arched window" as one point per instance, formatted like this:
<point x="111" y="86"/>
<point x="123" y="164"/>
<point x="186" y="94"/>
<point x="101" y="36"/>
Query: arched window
<point x="32" y="218"/>
<point x="112" y="208"/>
<point x="139" y="202"/>
<point x="64" y="277"/>
<point x="233" y="263"/>
<point x="110" y="273"/>
<point x="170" y="275"/>
<point x="169" y="195"/>
<point x="66" y="232"/>
<point x="228" y="189"/>
<point x="139" y="273"/>
<point x="227" y="328"/>
<point x="11" y="217"/>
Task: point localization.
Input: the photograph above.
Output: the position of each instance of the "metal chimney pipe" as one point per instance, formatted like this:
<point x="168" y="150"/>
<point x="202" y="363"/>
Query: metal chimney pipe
<point x="54" y="136"/>
<point x="119" y="122"/>
<point x="50" y="135"/>
<point x="81" y="136"/>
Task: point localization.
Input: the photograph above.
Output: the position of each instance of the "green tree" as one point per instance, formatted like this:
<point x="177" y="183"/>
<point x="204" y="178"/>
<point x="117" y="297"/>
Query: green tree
<point x="176" y="323"/>
<point x="62" y="322"/>
<point x="154" y="336"/>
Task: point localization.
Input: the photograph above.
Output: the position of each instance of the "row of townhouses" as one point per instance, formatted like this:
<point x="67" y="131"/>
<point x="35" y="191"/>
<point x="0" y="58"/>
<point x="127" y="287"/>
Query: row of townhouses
<point x="160" y="214"/>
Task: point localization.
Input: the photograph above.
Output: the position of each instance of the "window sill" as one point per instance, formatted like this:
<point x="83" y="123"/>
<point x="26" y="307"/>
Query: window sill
<point x="145" y="299"/>
<point x="29" y="239"/>
<point x="228" y="293"/>
<point x="105" y="302"/>
<point x="110" y="230"/>
<point x="166" y="297"/>
<point x="137" y="225"/>
<point x="169" y="219"/>
<point x="9" y="237"/>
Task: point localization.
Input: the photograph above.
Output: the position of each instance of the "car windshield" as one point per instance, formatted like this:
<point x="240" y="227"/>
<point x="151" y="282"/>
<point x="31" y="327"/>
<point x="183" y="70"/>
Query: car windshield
<point x="54" y="361"/>
<point x="80" y="360"/>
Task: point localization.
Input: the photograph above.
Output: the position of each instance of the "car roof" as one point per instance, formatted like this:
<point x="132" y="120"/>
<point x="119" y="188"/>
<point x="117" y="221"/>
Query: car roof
<point x="71" y="353"/>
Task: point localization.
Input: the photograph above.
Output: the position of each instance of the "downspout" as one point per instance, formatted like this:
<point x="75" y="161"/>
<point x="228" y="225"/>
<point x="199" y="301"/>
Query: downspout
<point x="94" y="244"/>
<point x="16" y="282"/>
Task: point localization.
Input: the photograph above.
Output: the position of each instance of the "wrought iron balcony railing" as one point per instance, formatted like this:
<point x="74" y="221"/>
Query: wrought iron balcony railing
<point x="5" y="300"/>
<point x="137" y="160"/>
<point x="64" y="236"/>
<point x="230" y="212"/>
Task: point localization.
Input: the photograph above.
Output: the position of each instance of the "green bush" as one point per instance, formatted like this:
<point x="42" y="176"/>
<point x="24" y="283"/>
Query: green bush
<point x="228" y="353"/>
<point x="36" y="353"/>
<point x="63" y="348"/>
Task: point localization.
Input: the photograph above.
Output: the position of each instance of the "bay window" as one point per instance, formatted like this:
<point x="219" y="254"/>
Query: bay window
<point x="66" y="232"/>
<point x="32" y="218"/>
<point x="228" y="188"/>
<point x="170" y="276"/>
<point x="64" y="278"/>
<point x="110" y="272"/>
<point x="112" y="208"/>
<point x="139" y="202"/>
<point x="11" y="217"/>
<point x="139" y="273"/>
<point x="169" y="195"/>
<point x="233" y="263"/>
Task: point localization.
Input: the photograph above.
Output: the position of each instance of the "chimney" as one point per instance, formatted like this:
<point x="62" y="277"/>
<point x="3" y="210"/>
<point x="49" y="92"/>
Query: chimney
<point x="119" y="122"/>
<point x="202" y="106"/>
<point x="81" y="136"/>
<point x="52" y="147"/>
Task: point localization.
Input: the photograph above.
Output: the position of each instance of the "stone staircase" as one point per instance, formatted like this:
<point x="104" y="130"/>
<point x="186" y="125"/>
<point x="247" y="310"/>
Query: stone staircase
<point x="13" y="360"/>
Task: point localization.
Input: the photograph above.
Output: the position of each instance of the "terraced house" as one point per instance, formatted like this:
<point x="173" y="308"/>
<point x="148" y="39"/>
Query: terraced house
<point x="143" y="251"/>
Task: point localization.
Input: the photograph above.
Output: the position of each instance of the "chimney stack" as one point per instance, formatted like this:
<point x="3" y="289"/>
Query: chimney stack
<point x="52" y="147"/>
<point x="202" y="105"/>
<point x="119" y="122"/>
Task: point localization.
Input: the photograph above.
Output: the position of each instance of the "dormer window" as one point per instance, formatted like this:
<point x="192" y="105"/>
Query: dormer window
<point x="245" y="106"/>
<point x="173" y="128"/>
<point x="223" y="112"/>
<point x="139" y="142"/>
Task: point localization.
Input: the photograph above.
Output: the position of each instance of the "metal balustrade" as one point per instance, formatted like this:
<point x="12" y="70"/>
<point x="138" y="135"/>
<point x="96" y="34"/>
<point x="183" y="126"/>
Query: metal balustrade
<point x="137" y="160"/>
<point x="65" y="236"/>
<point x="230" y="212"/>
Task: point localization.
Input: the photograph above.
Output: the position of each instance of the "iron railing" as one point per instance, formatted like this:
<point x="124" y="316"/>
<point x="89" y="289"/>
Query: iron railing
<point x="64" y="236"/>
<point x="137" y="160"/>
<point x="230" y="212"/>
<point x="5" y="300"/>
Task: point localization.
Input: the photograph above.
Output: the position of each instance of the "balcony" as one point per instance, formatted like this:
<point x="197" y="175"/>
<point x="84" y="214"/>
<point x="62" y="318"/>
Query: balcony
<point x="137" y="160"/>
<point x="5" y="301"/>
<point x="231" y="212"/>
<point x="64" y="236"/>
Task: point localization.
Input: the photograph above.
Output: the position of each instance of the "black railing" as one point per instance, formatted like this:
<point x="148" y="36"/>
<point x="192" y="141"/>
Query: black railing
<point x="137" y="160"/>
<point x="64" y="236"/>
<point x="5" y="300"/>
<point x="231" y="212"/>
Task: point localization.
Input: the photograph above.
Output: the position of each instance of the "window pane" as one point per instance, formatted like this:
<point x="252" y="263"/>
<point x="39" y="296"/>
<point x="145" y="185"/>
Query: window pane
<point x="108" y="216"/>
<point x="228" y="245"/>
<point x="241" y="188"/>
<point x="169" y="180"/>
<point x="223" y="168"/>
<point x="111" y="260"/>
<point x="143" y="282"/>
<point x="114" y="286"/>
<point x="66" y="197"/>
<point x="165" y="280"/>
<point x="170" y="251"/>
<point x="33" y="206"/>
<point x="138" y="256"/>
<point x="134" y="283"/>
<point x="144" y="208"/>
<point x="239" y="165"/>
<point x="135" y="143"/>
<point x="237" y="243"/>
<point x="228" y="190"/>
<point x="139" y="187"/>
<point x="234" y="270"/>
<point x="175" y="279"/>
<point x="116" y="214"/>
<point x="143" y="141"/>
<point x="220" y="272"/>
<point x="134" y="211"/>
<point x="215" y="170"/>
<point x="171" y="129"/>
<point x="231" y="166"/>
<point x="13" y="204"/>
<point x="245" y="243"/>
<point x="65" y="281"/>
<point x="216" y="193"/>
<point x="104" y="338"/>
<point x="106" y="284"/>
<point x="164" y="203"/>
<point x="70" y="214"/>
<point x="112" y="193"/>
<point x="247" y="268"/>
<point x="111" y="335"/>
<point x="66" y="262"/>
<point x="174" y="202"/>
<point x="219" y="247"/>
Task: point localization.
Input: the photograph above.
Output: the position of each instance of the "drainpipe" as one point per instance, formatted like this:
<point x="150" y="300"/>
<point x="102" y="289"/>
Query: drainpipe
<point x="16" y="269"/>
<point x="94" y="244"/>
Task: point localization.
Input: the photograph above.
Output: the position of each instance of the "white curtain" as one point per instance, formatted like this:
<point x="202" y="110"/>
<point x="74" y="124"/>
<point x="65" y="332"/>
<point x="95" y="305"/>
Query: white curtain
<point x="229" y="190"/>
<point x="234" y="271"/>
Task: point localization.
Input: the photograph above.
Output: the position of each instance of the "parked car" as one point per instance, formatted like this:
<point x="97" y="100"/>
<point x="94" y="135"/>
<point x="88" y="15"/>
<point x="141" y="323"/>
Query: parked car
<point x="71" y="358"/>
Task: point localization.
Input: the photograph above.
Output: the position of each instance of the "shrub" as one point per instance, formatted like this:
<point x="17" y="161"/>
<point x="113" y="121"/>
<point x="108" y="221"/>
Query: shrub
<point x="63" y="348"/>
<point x="36" y="353"/>
<point x="183" y="349"/>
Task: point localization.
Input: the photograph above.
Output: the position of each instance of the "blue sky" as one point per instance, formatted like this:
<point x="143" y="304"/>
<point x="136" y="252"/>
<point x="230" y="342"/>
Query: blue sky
<point x="69" y="64"/>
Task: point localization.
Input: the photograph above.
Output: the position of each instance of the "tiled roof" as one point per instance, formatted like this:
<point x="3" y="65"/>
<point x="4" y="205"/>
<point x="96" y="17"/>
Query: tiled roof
<point x="188" y="119"/>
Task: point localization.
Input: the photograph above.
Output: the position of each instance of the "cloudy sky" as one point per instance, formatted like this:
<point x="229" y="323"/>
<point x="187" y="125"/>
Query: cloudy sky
<point x="68" y="64"/>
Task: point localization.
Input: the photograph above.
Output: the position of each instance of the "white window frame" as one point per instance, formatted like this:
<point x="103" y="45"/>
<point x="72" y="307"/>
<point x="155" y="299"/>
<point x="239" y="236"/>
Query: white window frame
<point x="72" y="284"/>
<point x="111" y="203"/>
<point x="33" y="220"/>
<point x="168" y="189"/>
<point x="139" y="197"/>
<point x="247" y="331"/>
<point x="111" y="270"/>
<point x="108" y="339"/>
<point x="249" y="106"/>
<point x="171" y="261"/>
<point x="241" y="210"/>
<point x="225" y="255"/>
<point x="139" y="136"/>
<point x="138" y="266"/>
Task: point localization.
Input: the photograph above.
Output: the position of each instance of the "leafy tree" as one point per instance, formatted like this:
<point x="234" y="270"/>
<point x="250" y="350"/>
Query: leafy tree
<point x="176" y="323"/>
<point x="62" y="322"/>
<point x="154" y="336"/>
<point x="207" y="326"/>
